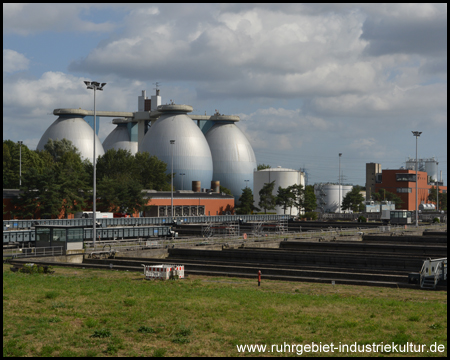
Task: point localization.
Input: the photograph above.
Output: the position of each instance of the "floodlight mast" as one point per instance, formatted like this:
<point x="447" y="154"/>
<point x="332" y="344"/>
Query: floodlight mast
<point x="94" y="85"/>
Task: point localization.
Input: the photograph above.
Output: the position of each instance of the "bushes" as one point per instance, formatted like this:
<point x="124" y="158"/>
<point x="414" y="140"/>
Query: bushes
<point x="310" y="215"/>
<point x="36" y="269"/>
<point x="362" y="219"/>
<point x="436" y="220"/>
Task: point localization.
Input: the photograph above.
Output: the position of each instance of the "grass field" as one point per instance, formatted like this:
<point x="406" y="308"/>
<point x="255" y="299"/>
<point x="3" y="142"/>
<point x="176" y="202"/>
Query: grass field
<point x="109" y="313"/>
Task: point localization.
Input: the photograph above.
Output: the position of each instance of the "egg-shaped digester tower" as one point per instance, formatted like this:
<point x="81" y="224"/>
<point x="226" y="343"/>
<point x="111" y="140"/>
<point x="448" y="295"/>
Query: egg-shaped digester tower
<point x="233" y="157"/>
<point x="191" y="154"/>
<point x="78" y="131"/>
<point x="120" y="138"/>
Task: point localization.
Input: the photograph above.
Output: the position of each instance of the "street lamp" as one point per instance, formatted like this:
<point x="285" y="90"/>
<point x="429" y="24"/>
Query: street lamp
<point x="94" y="85"/>
<point x="182" y="174"/>
<point x="340" y="154"/>
<point x="246" y="183"/>
<point x="172" y="142"/>
<point x="437" y="186"/>
<point x="20" y="162"/>
<point x="417" y="134"/>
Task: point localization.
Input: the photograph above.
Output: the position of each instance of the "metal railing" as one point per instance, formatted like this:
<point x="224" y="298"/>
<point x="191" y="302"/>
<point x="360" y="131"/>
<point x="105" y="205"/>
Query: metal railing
<point x="143" y="221"/>
<point x="34" y="252"/>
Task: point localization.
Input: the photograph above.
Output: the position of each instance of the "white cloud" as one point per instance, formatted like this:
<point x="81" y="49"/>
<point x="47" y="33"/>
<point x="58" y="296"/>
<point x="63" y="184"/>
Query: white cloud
<point x="13" y="61"/>
<point x="26" y="19"/>
<point x="280" y="129"/>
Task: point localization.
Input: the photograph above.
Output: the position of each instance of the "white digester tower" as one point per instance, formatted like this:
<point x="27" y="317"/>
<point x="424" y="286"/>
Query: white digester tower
<point x="283" y="177"/>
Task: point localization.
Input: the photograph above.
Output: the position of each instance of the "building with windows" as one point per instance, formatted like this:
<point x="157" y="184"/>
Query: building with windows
<point x="373" y="174"/>
<point x="402" y="182"/>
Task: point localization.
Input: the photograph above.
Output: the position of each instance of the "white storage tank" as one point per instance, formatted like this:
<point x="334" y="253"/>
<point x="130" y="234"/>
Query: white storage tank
<point x="431" y="168"/>
<point x="78" y="131"/>
<point x="283" y="177"/>
<point x="330" y="195"/>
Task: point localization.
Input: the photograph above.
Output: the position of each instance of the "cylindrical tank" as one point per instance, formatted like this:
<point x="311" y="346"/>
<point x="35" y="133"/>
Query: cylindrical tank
<point x="431" y="168"/>
<point x="78" y="132"/>
<point x="119" y="138"/>
<point x="233" y="157"/>
<point x="196" y="186"/>
<point x="215" y="186"/>
<point x="411" y="164"/>
<point x="190" y="152"/>
<point x="330" y="194"/>
<point x="283" y="177"/>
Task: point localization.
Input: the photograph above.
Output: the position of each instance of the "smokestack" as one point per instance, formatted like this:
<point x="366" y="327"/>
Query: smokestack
<point x="196" y="186"/>
<point x="215" y="186"/>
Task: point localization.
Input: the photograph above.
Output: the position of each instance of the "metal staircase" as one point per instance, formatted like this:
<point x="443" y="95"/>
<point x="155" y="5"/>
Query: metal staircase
<point x="432" y="272"/>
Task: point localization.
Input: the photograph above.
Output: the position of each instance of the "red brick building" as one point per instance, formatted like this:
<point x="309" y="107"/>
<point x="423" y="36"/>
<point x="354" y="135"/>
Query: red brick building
<point x="402" y="182"/>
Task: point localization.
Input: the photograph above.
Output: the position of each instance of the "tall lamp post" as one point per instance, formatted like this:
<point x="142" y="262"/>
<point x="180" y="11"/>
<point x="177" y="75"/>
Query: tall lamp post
<point x="340" y="154"/>
<point x="246" y="183"/>
<point x="20" y="162"/>
<point x="94" y="85"/>
<point x="172" y="142"/>
<point x="417" y="134"/>
<point x="182" y="174"/>
<point x="437" y="186"/>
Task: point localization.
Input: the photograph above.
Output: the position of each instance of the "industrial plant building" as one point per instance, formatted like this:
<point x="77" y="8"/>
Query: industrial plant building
<point x="402" y="182"/>
<point x="195" y="147"/>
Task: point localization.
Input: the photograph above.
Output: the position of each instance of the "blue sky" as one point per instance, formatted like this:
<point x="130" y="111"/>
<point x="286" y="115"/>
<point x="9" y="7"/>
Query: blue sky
<point x="308" y="81"/>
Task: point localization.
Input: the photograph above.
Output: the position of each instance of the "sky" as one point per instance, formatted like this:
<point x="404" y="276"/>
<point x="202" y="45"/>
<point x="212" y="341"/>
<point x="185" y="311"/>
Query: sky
<point x="309" y="81"/>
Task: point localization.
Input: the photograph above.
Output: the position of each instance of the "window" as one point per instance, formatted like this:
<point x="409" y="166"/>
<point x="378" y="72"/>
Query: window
<point x="405" y="177"/>
<point x="404" y="190"/>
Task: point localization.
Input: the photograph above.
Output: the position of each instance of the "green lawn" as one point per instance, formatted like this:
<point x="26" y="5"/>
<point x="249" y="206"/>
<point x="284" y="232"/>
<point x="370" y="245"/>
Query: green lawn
<point x="77" y="312"/>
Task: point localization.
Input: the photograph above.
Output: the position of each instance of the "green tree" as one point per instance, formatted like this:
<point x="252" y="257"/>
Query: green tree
<point x="246" y="202"/>
<point x="383" y="194"/>
<point x="11" y="163"/>
<point x="310" y="202"/>
<point x="116" y="162"/>
<point x="57" y="148"/>
<point x="285" y="198"/>
<point x="225" y="190"/>
<point x="73" y="182"/>
<point x="299" y="196"/>
<point x="267" y="200"/>
<point x="39" y="194"/>
<point x="442" y="198"/>
<point x="353" y="200"/>
<point x="151" y="172"/>
<point x="54" y="182"/>
<point x="121" y="193"/>
<point x="263" y="166"/>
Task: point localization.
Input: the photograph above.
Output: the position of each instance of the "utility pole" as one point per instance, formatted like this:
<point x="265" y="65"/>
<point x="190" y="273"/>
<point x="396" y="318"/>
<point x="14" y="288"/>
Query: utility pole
<point x="20" y="163"/>
<point x="417" y="134"/>
<point x="340" y="154"/>
<point x="172" y="142"/>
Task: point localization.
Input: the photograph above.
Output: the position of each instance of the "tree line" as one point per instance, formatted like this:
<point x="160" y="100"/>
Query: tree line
<point x="57" y="181"/>
<point x="297" y="196"/>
